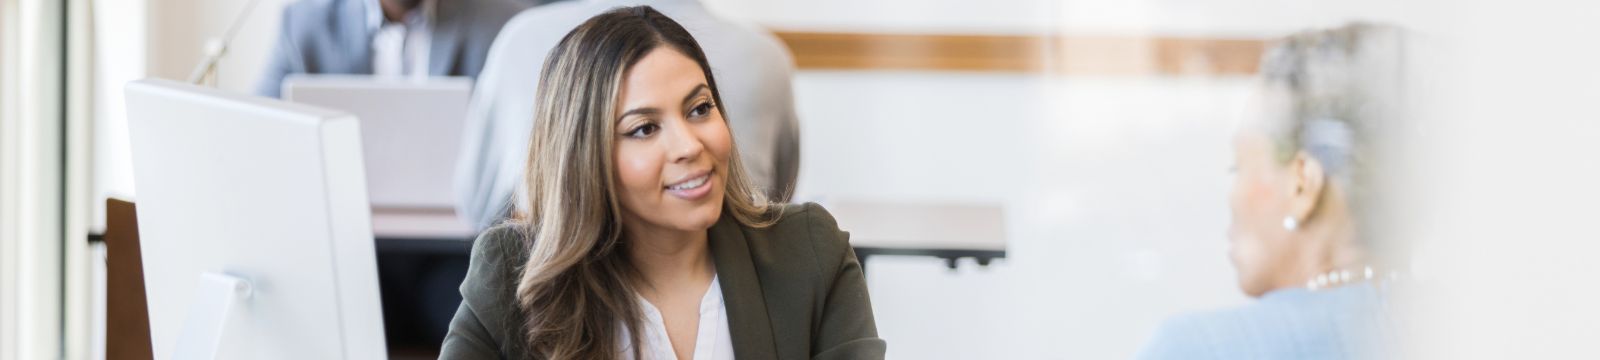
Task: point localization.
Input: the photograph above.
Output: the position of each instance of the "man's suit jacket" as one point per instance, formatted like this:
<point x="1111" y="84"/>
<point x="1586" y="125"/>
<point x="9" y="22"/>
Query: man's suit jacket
<point x="334" y="37"/>
<point x="793" y="290"/>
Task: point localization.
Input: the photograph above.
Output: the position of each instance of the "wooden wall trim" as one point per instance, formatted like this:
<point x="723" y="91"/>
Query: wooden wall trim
<point x="855" y="51"/>
<point x="1062" y="55"/>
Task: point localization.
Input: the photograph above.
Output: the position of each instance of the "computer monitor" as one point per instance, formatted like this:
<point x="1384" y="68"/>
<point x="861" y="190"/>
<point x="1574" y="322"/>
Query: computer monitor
<point x="254" y="224"/>
<point x="410" y="128"/>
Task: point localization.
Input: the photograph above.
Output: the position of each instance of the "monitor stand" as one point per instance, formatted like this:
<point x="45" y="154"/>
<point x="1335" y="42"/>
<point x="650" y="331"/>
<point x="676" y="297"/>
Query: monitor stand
<point x="208" y="314"/>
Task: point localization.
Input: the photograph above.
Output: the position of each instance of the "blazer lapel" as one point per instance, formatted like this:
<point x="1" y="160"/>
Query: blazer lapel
<point x="446" y="38"/>
<point x="748" y="322"/>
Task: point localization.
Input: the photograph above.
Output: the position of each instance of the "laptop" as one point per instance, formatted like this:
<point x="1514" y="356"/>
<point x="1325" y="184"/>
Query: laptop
<point x="410" y="131"/>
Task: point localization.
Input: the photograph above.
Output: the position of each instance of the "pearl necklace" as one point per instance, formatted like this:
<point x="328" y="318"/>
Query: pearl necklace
<point x="1338" y="277"/>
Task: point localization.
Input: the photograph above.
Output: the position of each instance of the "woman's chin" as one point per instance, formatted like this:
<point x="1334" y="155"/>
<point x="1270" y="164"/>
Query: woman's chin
<point x="1253" y="287"/>
<point x="701" y="217"/>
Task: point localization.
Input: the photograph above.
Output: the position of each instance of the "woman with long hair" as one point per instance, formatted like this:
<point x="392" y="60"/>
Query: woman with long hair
<point x="641" y="236"/>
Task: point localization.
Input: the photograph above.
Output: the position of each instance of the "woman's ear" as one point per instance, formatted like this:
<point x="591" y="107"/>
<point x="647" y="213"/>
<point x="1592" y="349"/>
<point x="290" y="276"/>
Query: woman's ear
<point x="1307" y="183"/>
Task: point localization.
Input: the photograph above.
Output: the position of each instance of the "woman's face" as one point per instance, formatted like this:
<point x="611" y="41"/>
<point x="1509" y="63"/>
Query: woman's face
<point x="1260" y="199"/>
<point x="672" y="146"/>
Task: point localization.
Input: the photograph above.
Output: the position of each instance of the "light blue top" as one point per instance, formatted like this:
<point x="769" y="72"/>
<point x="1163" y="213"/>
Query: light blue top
<point x="1346" y="322"/>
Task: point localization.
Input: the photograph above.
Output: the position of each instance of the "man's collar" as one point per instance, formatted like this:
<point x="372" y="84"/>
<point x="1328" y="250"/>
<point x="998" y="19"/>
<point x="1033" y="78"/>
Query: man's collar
<point x="375" y="16"/>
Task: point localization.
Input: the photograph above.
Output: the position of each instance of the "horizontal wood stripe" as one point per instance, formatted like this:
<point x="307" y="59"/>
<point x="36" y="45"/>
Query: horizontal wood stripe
<point x="1065" y="55"/>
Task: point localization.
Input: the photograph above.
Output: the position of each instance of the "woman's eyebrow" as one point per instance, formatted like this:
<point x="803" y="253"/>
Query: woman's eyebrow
<point x="695" y="91"/>
<point x="654" y="111"/>
<point x="639" y="111"/>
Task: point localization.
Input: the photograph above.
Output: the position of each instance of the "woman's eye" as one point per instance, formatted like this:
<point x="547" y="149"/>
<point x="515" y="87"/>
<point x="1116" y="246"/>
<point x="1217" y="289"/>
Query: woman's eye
<point x="644" y="131"/>
<point x="702" y="110"/>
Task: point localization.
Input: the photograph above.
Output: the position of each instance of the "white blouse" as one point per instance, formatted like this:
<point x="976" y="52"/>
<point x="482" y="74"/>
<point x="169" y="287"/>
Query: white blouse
<point x="711" y="342"/>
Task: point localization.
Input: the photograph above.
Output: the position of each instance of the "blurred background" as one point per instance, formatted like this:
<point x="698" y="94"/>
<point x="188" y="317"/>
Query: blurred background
<point x="1102" y="129"/>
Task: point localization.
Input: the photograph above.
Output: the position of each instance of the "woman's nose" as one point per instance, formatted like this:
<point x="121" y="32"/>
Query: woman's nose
<point x="682" y="144"/>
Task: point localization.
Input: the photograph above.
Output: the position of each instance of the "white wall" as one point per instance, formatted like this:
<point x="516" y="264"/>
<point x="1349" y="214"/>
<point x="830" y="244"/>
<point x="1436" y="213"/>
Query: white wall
<point x="179" y="29"/>
<point x="165" y="39"/>
<point x="1114" y="192"/>
<point x="1082" y="166"/>
<point x="1506" y="214"/>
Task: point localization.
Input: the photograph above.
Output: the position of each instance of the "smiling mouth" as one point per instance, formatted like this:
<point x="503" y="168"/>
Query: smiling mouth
<point x="691" y="183"/>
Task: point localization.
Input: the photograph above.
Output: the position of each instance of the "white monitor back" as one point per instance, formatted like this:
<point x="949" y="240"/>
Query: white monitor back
<point x="411" y="131"/>
<point x="264" y="190"/>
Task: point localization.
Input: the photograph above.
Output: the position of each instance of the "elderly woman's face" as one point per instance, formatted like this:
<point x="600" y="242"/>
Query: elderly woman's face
<point x="1260" y="199"/>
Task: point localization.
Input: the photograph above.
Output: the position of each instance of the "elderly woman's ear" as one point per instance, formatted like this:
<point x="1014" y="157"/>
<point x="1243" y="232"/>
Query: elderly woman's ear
<point x="1307" y="184"/>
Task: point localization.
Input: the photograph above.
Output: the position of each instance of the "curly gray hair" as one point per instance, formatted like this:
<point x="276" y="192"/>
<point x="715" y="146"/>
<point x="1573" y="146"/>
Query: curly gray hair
<point x="1339" y="87"/>
<point x="1340" y="83"/>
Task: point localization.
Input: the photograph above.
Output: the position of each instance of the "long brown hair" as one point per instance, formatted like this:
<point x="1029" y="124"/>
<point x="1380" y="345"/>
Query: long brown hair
<point x="576" y="288"/>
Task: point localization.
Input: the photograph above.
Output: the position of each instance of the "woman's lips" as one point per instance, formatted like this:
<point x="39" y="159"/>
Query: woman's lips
<point x="693" y="188"/>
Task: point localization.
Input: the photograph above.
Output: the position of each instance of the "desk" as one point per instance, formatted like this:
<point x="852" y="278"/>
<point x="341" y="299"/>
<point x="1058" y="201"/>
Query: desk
<point x="423" y="255"/>
<point x="946" y="231"/>
<point x="419" y="223"/>
<point x="421" y="230"/>
<point x="950" y="231"/>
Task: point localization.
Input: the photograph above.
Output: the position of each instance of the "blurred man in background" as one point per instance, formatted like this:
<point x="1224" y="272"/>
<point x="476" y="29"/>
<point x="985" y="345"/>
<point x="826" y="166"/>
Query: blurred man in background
<point x="385" y="37"/>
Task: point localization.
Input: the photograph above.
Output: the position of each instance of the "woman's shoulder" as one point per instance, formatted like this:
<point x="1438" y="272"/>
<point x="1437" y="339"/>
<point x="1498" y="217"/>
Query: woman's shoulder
<point x="490" y="285"/>
<point x="802" y="215"/>
<point x="801" y="232"/>
<point x="501" y="244"/>
<point x="809" y="222"/>
<point x="1291" y="323"/>
<point x="1212" y="334"/>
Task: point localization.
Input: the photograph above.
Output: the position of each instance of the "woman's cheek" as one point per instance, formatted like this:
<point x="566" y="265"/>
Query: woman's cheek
<point x="1259" y="197"/>
<point x="1252" y="215"/>
<point x="719" y="140"/>
<point x="638" y="170"/>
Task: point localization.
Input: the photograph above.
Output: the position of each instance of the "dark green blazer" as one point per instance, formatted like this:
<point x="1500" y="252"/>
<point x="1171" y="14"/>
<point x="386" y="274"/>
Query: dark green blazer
<point x="792" y="291"/>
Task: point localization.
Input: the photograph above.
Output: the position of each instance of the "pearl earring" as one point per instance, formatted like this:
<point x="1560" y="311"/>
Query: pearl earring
<point x="1289" y="223"/>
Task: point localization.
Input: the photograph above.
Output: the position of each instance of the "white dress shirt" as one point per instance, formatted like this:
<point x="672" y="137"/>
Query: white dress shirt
<point x="711" y="342"/>
<point x="400" y="48"/>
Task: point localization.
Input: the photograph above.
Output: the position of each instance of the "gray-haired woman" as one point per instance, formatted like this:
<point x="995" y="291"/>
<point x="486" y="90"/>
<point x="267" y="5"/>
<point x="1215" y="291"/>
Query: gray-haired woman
<point x="1303" y="232"/>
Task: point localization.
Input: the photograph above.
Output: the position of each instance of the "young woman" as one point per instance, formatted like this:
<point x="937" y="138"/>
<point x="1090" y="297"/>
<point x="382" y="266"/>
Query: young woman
<point x="641" y="235"/>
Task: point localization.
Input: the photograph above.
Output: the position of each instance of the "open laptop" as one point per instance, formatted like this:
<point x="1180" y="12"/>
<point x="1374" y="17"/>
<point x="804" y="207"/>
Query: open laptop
<point x="410" y="130"/>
